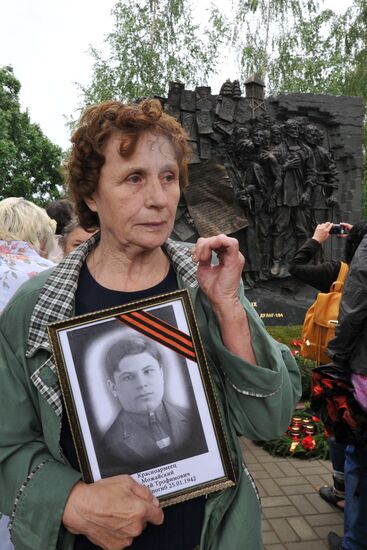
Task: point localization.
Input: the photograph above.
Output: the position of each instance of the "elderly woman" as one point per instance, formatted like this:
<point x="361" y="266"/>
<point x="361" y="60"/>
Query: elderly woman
<point x="127" y="166"/>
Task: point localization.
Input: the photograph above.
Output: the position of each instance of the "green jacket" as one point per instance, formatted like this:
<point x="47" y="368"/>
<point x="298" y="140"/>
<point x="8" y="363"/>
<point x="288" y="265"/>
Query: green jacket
<point x="35" y="478"/>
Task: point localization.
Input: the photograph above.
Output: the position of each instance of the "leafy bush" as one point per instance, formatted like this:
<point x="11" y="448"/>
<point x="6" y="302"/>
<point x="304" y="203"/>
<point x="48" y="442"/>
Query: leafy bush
<point x="290" y="335"/>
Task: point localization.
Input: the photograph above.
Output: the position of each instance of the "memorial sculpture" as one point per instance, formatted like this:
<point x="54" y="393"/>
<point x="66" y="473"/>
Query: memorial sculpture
<point x="262" y="170"/>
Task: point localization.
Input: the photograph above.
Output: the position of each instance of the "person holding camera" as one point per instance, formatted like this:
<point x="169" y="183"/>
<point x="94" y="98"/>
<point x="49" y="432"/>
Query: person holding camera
<point x="322" y="276"/>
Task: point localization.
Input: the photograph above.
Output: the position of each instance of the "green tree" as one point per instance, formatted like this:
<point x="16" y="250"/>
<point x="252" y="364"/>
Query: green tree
<point x="29" y="162"/>
<point x="152" y="43"/>
<point x="256" y="29"/>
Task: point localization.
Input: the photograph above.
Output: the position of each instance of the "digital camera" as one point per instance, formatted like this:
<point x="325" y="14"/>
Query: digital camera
<point x="338" y="229"/>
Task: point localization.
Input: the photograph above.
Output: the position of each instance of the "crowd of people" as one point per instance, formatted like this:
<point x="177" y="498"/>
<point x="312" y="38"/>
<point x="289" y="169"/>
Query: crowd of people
<point x="348" y="351"/>
<point x="110" y="245"/>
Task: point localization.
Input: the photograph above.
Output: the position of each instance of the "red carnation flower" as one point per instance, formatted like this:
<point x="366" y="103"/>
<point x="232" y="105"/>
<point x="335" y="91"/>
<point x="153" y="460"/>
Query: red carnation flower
<point x="317" y="390"/>
<point x="308" y="443"/>
<point x="315" y="419"/>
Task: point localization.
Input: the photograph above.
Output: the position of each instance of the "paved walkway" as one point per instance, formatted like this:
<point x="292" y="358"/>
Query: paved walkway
<point x="294" y="516"/>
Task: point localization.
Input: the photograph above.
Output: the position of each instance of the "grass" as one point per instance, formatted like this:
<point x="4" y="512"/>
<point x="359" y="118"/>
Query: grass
<point x="285" y="334"/>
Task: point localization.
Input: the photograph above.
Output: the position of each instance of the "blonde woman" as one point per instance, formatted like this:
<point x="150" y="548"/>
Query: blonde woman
<point x="27" y="235"/>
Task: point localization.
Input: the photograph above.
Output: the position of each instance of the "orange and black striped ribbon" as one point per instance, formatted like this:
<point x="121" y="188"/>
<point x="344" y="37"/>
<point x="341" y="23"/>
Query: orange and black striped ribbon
<point x="160" y="331"/>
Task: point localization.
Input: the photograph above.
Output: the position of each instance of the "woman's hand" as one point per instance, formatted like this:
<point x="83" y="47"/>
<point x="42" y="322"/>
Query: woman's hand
<point x="111" y="512"/>
<point x="220" y="283"/>
<point x="322" y="232"/>
<point x="348" y="227"/>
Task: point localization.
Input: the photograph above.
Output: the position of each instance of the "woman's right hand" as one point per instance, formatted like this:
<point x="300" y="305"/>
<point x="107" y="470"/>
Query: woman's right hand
<point x="111" y="512"/>
<point x="348" y="227"/>
<point x="322" y="232"/>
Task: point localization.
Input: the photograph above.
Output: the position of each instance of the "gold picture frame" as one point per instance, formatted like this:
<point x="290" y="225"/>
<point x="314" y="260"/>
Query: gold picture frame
<point x="139" y="397"/>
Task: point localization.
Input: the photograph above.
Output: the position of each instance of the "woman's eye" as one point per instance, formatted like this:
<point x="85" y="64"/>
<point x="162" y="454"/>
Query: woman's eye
<point x="134" y="179"/>
<point x="169" y="178"/>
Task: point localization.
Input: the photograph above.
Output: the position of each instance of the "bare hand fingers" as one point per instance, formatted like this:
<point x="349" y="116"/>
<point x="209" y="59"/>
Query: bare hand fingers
<point x="223" y="246"/>
<point x="143" y="492"/>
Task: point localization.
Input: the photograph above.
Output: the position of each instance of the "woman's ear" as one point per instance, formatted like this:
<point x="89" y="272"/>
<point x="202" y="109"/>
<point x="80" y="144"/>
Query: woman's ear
<point x="91" y="203"/>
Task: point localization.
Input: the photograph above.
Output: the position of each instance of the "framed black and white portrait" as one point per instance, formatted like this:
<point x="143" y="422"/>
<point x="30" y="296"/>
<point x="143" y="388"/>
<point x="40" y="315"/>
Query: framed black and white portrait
<point x="139" y="398"/>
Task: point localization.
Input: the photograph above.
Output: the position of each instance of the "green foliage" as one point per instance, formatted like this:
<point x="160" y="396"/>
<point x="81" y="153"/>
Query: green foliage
<point x="290" y="335"/>
<point x="305" y="367"/>
<point x="257" y="28"/>
<point x="29" y="162"/>
<point x="152" y="43"/>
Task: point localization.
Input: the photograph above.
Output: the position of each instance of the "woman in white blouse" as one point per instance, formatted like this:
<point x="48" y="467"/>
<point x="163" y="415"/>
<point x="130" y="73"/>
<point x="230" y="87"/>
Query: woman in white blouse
<point x="27" y="235"/>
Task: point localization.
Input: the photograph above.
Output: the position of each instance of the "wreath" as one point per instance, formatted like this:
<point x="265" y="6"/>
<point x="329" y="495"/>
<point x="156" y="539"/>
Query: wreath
<point x="306" y="437"/>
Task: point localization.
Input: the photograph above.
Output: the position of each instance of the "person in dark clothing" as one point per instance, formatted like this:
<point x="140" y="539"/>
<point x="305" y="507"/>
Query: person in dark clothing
<point x="349" y="350"/>
<point x="322" y="276"/>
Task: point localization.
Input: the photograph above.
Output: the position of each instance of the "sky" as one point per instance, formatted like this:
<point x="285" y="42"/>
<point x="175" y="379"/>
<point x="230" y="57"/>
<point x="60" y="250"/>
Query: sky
<point x="46" y="42"/>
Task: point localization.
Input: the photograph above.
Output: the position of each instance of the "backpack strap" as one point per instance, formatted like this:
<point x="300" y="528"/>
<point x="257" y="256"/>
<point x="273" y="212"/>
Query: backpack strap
<point x="337" y="285"/>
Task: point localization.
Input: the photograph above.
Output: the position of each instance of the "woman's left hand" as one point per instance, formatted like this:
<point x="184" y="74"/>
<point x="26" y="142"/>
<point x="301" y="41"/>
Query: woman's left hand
<point x="219" y="282"/>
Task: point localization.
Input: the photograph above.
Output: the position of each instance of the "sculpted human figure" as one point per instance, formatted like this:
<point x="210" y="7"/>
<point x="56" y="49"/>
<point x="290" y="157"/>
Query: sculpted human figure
<point x="323" y="195"/>
<point x="293" y="194"/>
<point x="258" y="170"/>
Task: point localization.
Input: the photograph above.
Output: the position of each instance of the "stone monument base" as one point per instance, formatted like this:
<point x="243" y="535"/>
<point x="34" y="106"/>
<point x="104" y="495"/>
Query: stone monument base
<point x="282" y="302"/>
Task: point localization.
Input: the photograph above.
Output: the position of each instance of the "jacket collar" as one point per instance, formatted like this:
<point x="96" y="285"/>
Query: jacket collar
<point x="56" y="300"/>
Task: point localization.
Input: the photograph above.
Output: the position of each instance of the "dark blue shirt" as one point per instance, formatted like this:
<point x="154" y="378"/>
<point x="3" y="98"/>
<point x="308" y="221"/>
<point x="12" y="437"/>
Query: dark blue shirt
<point x="182" y="524"/>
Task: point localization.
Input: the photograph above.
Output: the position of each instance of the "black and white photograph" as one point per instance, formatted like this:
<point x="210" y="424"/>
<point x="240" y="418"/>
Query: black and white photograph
<point x="139" y="400"/>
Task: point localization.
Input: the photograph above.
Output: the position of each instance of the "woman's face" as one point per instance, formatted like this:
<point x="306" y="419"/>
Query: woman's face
<point x="76" y="237"/>
<point x="136" y="198"/>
